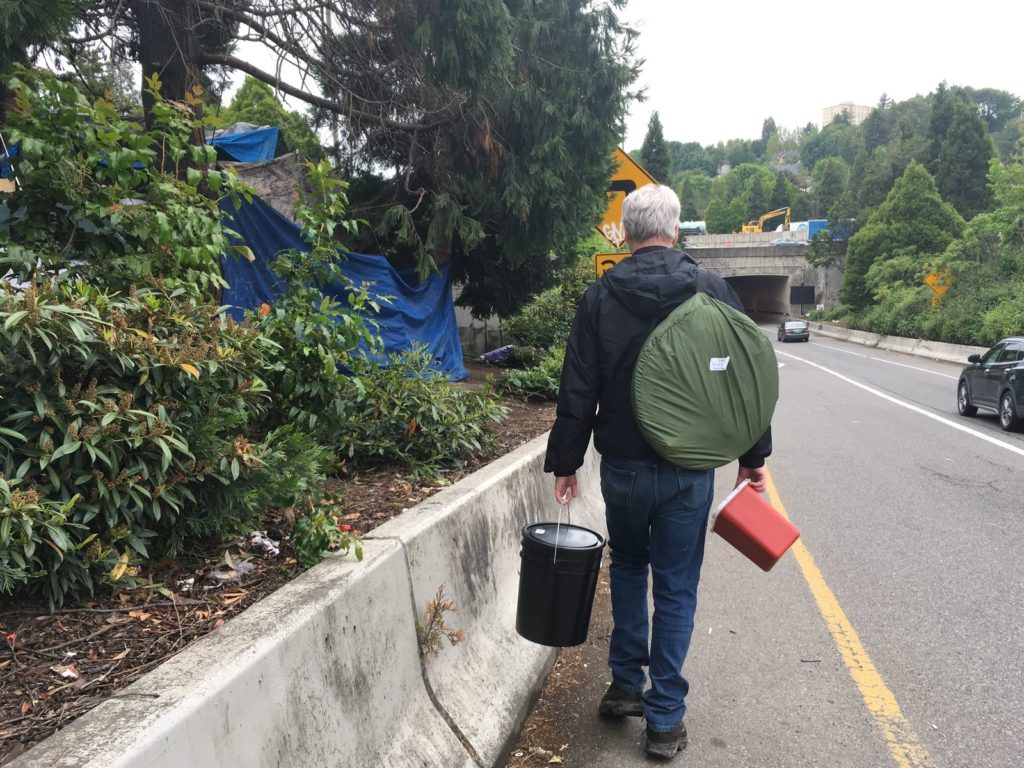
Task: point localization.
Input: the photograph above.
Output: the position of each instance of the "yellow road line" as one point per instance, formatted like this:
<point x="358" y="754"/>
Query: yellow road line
<point x="899" y="736"/>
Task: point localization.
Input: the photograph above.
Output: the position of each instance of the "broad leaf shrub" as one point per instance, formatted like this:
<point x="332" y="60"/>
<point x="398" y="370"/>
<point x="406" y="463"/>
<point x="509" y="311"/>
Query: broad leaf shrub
<point x="547" y="319"/>
<point x="313" y="332"/>
<point x="132" y="421"/>
<point x="135" y="415"/>
<point x="537" y="383"/>
<point x="540" y="331"/>
<point x="102" y="200"/>
<point x="328" y="373"/>
<point x="404" y="412"/>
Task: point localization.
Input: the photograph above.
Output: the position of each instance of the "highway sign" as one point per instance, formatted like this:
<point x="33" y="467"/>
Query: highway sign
<point x="605" y="261"/>
<point x="627" y="177"/>
<point x="938" y="281"/>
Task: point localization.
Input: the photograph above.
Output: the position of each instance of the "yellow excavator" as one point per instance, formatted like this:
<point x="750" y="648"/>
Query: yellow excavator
<point x="758" y="226"/>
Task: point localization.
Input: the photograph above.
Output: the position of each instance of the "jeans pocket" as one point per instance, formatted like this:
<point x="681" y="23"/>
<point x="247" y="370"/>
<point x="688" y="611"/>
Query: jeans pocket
<point x="616" y="485"/>
<point x="696" y="487"/>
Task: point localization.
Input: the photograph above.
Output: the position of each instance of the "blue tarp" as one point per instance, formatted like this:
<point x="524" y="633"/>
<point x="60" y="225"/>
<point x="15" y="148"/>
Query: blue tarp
<point x="418" y="312"/>
<point x="249" y="146"/>
<point x="6" y="171"/>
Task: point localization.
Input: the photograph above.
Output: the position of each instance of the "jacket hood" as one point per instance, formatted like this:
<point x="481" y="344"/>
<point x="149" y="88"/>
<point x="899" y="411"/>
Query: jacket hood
<point x="653" y="282"/>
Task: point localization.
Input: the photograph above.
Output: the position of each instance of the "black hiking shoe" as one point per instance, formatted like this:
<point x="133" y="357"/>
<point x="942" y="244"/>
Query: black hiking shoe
<point x="619" y="703"/>
<point x="666" y="744"/>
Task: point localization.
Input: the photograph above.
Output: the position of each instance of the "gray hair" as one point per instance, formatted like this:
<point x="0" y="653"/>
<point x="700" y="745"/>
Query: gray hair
<point x="651" y="211"/>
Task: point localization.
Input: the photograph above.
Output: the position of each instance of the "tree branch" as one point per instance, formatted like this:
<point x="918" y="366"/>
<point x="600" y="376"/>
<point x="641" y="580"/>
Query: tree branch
<point x="310" y="98"/>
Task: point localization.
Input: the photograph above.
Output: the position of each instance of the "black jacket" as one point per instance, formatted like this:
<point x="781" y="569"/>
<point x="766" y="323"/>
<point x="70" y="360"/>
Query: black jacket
<point x="613" y="319"/>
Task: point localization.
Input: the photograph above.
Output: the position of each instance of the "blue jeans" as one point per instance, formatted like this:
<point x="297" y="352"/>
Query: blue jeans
<point x="657" y="517"/>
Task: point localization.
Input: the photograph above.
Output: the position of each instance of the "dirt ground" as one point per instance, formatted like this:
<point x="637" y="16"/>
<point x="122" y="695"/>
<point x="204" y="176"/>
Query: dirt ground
<point x="56" y="667"/>
<point x="566" y="709"/>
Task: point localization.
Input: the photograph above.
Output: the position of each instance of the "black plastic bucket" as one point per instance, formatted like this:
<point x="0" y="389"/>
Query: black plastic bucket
<point x="557" y="581"/>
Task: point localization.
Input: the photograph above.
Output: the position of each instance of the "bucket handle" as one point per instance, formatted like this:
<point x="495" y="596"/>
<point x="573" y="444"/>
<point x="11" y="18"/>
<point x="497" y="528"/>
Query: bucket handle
<point x="558" y="526"/>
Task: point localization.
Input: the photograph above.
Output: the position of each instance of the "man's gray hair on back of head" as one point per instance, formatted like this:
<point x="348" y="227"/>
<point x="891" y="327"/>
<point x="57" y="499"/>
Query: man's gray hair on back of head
<point x="652" y="211"/>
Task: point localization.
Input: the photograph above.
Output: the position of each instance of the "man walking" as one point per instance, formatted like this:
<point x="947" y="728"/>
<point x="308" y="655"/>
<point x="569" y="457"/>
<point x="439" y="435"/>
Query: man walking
<point x="656" y="512"/>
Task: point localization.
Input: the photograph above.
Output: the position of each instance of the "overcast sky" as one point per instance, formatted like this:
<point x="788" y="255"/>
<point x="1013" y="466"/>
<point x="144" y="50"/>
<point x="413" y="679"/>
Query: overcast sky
<point x="716" y="70"/>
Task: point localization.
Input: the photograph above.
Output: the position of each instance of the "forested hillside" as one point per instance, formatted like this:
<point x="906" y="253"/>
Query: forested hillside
<point x="929" y="186"/>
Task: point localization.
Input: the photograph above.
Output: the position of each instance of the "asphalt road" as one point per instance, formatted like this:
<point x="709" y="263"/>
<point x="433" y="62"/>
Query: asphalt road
<point x="891" y="635"/>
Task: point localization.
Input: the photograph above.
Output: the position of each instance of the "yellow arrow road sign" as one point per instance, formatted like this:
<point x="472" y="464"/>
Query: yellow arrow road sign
<point x="627" y="177"/>
<point x="605" y="261"/>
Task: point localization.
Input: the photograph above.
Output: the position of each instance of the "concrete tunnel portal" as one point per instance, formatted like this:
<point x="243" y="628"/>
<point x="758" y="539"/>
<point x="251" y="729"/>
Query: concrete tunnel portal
<point x="765" y="297"/>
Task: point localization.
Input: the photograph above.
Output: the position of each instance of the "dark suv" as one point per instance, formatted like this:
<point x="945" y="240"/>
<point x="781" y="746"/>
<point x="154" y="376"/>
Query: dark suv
<point x="995" y="380"/>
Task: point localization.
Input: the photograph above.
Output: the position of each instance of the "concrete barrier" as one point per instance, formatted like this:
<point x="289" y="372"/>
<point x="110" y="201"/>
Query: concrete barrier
<point x="467" y="539"/>
<point x="323" y="672"/>
<point x="934" y="350"/>
<point x="326" y="671"/>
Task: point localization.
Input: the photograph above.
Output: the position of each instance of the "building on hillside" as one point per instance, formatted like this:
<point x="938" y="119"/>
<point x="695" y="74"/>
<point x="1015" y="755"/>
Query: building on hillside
<point x="856" y="113"/>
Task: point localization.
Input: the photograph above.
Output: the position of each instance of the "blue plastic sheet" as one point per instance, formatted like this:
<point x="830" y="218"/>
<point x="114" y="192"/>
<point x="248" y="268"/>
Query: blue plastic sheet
<point x="417" y="313"/>
<point x="6" y="170"/>
<point x="253" y="146"/>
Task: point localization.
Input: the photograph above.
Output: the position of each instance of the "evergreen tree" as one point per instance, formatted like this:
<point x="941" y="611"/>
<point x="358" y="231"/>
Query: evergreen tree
<point x="829" y="183"/>
<point x="938" y="126"/>
<point x="25" y="27"/>
<point x="784" y="193"/>
<point x="877" y="175"/>
<point x="255" y="102"/>
<point x="654" y="152"/>
<point x="694" y="192"/>
<point x="963" y="160"/>
<point x="456" y="115"/>
<point x="913" y="219"/>
<point x="878" y="127"/>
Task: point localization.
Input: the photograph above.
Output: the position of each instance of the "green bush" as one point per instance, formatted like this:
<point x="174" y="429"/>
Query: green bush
<point x="142" y="407"/>
<point x="546" y="321"/>
<point x="404" y="413"/>
<point x="539" y="382"/>
<point x="40" y="543"/>
<point x="314" y="334"/>
<point x="101" y="200"/>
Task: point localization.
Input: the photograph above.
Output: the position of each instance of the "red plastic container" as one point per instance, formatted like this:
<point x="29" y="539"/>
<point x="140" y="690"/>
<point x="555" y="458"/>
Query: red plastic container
<point x="752" y="525"/>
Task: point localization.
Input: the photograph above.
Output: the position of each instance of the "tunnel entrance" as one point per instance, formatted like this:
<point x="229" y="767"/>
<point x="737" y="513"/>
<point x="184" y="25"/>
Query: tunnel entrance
<point x="765" y="297"/>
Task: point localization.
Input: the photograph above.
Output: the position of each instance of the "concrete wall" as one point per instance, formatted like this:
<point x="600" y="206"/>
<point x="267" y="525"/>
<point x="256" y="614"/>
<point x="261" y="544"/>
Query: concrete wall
<point x="478" y="336"/>
<point x="326" y="671"/>
<point x="934" y="350"/>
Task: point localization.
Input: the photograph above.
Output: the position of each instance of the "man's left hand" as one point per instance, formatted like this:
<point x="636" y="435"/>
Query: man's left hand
<point x="757" y="477"/>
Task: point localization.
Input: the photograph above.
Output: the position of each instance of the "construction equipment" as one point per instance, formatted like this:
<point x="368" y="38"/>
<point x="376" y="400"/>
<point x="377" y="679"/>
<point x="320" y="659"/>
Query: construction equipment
<point x="758" y="226"/>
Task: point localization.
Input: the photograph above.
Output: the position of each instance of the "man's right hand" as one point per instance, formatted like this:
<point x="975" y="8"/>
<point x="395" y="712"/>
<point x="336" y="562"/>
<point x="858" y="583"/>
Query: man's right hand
<point x="565" y="489"/>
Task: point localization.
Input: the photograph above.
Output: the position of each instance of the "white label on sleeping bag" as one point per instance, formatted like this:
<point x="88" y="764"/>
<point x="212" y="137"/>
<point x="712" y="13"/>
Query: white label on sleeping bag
<point x="719" y="363"/>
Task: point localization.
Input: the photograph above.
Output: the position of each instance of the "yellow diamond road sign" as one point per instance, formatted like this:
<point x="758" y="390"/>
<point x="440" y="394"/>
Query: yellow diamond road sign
<point x="627" y="177"/>
<point x="939" y="281"/>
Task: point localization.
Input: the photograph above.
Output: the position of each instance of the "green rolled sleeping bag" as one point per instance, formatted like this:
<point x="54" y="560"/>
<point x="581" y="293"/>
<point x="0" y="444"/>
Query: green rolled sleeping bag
<point x="705" y="384"/>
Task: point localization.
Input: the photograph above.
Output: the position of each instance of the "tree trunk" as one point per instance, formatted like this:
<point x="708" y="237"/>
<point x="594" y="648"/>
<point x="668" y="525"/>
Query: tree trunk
<point x="169" y="48"/>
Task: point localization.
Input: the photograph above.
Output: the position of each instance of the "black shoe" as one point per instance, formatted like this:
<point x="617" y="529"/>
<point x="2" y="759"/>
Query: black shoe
<point x="618" y="703"/>
<point x="666" y="744"/>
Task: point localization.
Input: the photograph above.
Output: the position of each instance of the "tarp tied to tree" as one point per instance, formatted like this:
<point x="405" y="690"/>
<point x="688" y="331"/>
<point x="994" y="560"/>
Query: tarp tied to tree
<point x="474" y="131"/>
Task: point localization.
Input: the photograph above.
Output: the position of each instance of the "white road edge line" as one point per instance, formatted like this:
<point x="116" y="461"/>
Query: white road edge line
<point x="838" y="349"/>
<point x="914" y="408"/>
<point x="915" y="368"/>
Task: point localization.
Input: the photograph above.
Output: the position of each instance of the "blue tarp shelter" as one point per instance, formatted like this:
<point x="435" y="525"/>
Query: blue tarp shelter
<point x="418" y="312"/>
<point x="253" y="146"/>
